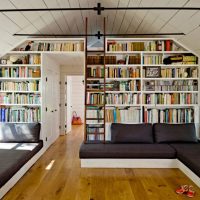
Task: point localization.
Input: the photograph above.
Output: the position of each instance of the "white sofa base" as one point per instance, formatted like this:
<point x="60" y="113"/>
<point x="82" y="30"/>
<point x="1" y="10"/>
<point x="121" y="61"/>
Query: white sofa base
<point x="140" y="163"/>
<point x="20" y="173"/>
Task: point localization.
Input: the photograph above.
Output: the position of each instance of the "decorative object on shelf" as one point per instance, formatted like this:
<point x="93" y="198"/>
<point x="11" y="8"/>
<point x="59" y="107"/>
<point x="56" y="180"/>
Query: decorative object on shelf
<point x="150" y="86"/>
<point x="153" y="72"/>
<point x="28" y="46"/>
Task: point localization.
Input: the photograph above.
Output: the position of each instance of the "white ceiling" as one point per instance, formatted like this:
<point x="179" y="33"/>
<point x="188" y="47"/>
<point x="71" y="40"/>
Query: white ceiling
<point x="72" y="22"/>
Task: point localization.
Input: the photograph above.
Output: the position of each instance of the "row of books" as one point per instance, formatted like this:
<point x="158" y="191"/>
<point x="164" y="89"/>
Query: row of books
<point x="95" y="72"/>
<point x="20" y="86"/>
<point x="116" y="72"/>
<point x="95" y="60"/>
<point x="94" y="129"/>
<point x="20" y="114"/>
<point x="159" y="45"/>
<point x="94" y="113"/>
<point x="153" y="59"/>
<point x="177" y="85"/>
<point x="19" y="98"/>
<point x="116" y="115"/>
<point x="53" y="46"/>
<point x="133" y="85"/>
<point x="93" y="98"/>
<point x="174" y="98"/>
<point x="95" y="137"/>
<point x="122" y="98"/>
<point x="20" y="72"/>
<point x="181" y="115"/>
<point x="179" y="73"/>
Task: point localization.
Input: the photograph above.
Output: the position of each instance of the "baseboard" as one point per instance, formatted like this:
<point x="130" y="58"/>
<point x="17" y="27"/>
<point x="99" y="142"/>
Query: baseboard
<point x="20" y="173"/>
<point x="129" y="163"/>
<point x="190" y="174"/>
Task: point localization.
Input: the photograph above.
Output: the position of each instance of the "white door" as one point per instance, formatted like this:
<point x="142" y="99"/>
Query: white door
<point x="68" y="100"/>
<point x="56" y="101"/>
<point x="48" y="118"/>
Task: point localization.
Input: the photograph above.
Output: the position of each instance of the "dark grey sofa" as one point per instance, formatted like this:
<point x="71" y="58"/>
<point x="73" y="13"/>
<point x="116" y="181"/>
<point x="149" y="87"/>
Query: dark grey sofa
<point x="147" y="141"/>
<point x="18" y="144"/>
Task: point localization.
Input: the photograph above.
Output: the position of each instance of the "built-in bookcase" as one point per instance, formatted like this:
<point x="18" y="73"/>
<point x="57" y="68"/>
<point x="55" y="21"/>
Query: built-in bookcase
<point x="25" y="73"/>
<point x="20" y="87"/>
<point x="150" y="80"/>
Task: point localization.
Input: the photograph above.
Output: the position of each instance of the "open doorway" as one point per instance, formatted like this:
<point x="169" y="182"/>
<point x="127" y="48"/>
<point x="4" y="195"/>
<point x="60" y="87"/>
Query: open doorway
<point x="74" y="99"/>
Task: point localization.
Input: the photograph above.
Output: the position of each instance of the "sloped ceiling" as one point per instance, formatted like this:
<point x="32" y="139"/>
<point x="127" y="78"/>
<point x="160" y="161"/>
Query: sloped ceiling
<point x="72" y="22"/>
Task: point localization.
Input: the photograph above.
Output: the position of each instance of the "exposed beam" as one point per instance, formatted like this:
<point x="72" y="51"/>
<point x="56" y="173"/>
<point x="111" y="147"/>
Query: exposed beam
<point x="98" y="9"/>
<point x="98" y="35"/>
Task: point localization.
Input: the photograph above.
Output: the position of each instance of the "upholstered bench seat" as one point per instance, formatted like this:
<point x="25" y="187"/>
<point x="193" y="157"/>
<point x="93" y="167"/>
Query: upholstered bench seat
<point x="13" y="156"/>
<point x="189" y="155"/>
<point x="161" y="151"/>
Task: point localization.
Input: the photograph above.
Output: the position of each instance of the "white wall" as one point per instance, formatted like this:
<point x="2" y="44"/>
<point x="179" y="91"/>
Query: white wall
<point x="78" y="95"/>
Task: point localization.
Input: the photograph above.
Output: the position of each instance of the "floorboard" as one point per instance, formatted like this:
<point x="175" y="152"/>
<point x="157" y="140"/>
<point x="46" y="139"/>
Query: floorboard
<point x="57" y="176"/>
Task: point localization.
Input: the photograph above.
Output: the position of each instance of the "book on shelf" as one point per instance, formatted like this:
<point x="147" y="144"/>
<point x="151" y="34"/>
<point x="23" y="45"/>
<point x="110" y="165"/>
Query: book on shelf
<point x="176" y="72"/>
<point x="94" y="132"/>
<point x="95" y="72"/>
<point x="94" y="113"/>
<point x="120" y="72"/>
<point x="95" y="137"/>
<point x="123" y="115"/>
<point x="19" y="72"/>
<point x="94" y="85"/>
<point x="95" y="98"/>
<point x="6" y="98"/>
<point x="125" y="98"/>
<point x="179" y="72"/>
<point x="153" y="59"/>
<point x="20" y="86"/>
<point x="171" y="85"/>
<point x="155" y="45"/>
<point x="170" y="98"/>
<point x="133" y="85"/>
<point x="17" y="114"/>
<point x="95" y="60"/>
<point x="125" y="46"/>
<point x="180" y="115"/>
<point x="52" y="46"/>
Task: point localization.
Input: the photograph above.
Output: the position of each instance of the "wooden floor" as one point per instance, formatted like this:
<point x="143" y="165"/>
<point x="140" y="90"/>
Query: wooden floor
<point x="58" y="176"/>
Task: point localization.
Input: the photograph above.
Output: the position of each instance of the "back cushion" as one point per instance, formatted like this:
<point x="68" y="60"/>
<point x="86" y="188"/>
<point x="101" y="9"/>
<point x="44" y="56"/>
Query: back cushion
<point x="22" y="132"/>
<point x="131" y="133"/>
<point x="169" y="133"/>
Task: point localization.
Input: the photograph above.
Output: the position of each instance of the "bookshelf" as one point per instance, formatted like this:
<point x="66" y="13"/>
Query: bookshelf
<point x="28" y="80"/>
<point x="150" y="80"/>
<point x="20" y="88"/>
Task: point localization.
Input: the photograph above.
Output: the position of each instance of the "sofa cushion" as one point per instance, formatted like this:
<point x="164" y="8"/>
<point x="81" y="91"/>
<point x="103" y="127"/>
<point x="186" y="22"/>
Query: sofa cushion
<point x="22" y="132"/>
<point x="13" y="156"/>
<point x="161" y="151"/>
<point x="173" y="133"/>
<point x="188" y="154"/>
<point x="131" y="133"/>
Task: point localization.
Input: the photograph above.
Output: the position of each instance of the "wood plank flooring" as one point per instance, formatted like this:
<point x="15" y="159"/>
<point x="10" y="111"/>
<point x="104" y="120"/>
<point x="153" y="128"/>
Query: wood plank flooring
<point x="57" y="176"/>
